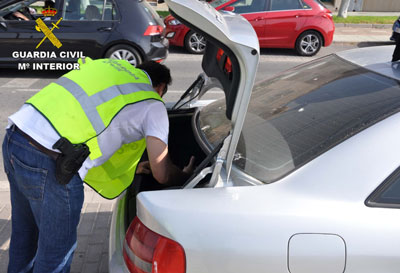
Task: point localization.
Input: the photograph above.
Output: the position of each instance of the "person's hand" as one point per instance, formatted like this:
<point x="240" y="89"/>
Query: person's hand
<point x="19" y="15"/>
<point x="189" y="168"/>
<point x="143" y="168"/>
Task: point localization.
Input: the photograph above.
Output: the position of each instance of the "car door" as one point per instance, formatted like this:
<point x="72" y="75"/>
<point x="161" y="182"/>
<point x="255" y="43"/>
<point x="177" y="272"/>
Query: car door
<point x="16" y="36"/>
<point x="254" y="11"/>
<point x="284" y="21"/>
<point x="86" y="27"/>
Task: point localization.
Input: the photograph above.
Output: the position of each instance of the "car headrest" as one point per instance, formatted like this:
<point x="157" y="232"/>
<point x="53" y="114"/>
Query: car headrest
<point x="92" y="13"/>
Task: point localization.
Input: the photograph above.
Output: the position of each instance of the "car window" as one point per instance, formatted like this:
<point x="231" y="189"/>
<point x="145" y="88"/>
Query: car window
<point x="302" y="113"/>
<point x="388" y="193"/>
<point x="285" y="4"/>
<point x="305" y="5"/>
<point x="27" y="10"/>
<point x="150" y="13"/>
<point x="320" y="3"/>
<point x="89" y="10"/>
<point x="248" y="6"/>
<point x="217" y="3"/>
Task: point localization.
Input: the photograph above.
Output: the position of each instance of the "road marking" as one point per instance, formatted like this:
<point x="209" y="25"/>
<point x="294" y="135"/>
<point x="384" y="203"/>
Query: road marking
<point x="4" y="186"/>
<point x="5" y="245"/>
<point x="20" y="83"/>
<point x="208" y="92"/>
<point x="28" y="89"/>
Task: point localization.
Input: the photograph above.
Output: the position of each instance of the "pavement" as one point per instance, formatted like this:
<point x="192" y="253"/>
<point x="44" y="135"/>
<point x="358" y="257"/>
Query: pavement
<point x="363" y="35"/>
<point x="91" y="255"/>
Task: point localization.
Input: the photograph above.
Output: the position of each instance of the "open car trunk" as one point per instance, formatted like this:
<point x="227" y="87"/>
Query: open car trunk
<point x="230" y="63"/>
<point x="182" y="145"/>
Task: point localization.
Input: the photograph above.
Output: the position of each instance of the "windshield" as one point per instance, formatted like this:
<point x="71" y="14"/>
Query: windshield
<point x="152" y="15"/>
<point x="302" y="113"/>
<point x="15" y="7"/>
<point x="320" y="3"/>
<point x="217" y="3"/>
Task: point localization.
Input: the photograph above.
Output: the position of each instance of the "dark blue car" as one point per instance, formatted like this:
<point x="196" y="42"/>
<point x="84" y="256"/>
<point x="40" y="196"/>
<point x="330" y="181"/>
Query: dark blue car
<point x="121" y="29"/>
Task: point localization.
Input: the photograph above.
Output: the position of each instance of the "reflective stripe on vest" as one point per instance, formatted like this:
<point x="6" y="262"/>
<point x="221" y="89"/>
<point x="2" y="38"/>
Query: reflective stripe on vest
<point x="89" y="104"/>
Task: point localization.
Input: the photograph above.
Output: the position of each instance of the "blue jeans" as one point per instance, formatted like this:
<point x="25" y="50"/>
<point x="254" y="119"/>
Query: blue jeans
<point x="45" y="214"/>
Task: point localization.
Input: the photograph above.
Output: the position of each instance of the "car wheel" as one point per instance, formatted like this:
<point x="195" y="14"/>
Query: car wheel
<point x="195" y="43"/>
<point x="308" y="43"/>
<point x="124" y="52"/>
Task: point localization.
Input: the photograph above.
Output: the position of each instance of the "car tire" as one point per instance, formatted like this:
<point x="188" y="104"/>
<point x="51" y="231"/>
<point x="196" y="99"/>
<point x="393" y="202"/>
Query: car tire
<point x="195" y="43"/>
<point x="308" y="43"/>
<point x="124" y="52"/>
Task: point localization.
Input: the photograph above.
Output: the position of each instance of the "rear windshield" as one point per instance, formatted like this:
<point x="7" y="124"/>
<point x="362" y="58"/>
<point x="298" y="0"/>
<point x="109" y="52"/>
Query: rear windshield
<point x="303" y="113"/>
<point x="151" y="14"/>
<point x="320" y="3"/>
<point x="217" y="3"/>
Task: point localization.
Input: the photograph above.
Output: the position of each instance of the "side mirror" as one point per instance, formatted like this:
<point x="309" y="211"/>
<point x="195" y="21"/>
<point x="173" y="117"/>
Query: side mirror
<point x="3" y="24"/>
<point x="230" y="9"/>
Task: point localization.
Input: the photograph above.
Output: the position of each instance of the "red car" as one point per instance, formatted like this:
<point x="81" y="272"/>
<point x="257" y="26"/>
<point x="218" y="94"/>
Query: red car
<point x="304" y="25"/>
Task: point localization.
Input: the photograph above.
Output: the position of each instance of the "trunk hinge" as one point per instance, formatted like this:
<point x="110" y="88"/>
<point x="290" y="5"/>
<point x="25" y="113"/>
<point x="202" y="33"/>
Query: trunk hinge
<point x="215" y="169"/>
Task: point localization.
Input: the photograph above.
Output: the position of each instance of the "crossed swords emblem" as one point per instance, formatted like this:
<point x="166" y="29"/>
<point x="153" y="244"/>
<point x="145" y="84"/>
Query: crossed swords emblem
<point x="48" y="33"/>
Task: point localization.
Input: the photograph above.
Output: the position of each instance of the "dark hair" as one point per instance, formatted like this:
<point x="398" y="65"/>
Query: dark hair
<point x="48" y="3"/>
<point x="158" y="73"/>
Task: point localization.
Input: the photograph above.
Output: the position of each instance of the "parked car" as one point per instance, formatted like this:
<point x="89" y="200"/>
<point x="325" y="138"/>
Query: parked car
<point x="119" y="29"/>
<point x="298" y="173"/>
<point x="304" y="25"/>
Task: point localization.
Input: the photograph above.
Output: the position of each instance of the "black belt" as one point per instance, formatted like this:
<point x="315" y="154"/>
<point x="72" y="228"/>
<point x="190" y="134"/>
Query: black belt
<point x="34" y="143"/>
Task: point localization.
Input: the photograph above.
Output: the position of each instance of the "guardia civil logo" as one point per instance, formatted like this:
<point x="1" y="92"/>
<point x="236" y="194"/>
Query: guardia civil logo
<point x="48" y="33"/>
<point x="38" y="59"/>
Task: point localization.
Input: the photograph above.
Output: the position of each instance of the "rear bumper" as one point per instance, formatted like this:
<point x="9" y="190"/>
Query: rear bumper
<point x="157" y="51"/>
<point x="116" y="262"/>
<point x="329" y="37"/>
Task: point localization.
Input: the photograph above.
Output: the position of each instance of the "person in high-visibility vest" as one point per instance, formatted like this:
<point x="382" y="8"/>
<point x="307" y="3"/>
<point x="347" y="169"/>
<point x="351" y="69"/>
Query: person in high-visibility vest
<point x="91" y="125"/>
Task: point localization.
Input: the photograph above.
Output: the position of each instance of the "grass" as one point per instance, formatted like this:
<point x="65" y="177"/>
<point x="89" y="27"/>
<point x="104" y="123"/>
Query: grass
<point x="163" y="13"/>
<point x="365" y="19"/>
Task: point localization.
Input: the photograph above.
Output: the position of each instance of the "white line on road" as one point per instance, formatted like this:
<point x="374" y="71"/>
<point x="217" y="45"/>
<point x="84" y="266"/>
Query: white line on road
<point x="208" y="92"/>
<point x="28" y="89"/>
<point x="20" y="83"/>
<point x="6" y="245"/>
<point x="4" y="186"/>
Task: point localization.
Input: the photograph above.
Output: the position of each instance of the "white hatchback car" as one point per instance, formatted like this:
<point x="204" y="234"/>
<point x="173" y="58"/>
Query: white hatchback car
<point x="299" y="173"/>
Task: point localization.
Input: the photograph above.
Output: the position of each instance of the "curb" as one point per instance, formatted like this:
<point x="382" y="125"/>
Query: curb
<point x="379" y="26"/>
<point x="363" y="43"/>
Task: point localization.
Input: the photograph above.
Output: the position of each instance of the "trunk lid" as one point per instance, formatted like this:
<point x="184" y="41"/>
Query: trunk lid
<point x="231" y="56"/>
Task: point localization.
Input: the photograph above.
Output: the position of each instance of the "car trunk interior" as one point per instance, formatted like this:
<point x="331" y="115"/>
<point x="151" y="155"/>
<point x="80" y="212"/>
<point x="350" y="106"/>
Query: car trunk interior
<point x="182" y="145"/>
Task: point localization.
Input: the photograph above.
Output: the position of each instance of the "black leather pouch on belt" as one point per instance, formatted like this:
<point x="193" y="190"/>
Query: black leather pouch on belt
<point x="71" y="159"/>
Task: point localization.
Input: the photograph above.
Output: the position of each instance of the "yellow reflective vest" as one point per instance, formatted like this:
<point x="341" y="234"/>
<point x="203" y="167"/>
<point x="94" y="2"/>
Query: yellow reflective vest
<point x="82" y="103"/>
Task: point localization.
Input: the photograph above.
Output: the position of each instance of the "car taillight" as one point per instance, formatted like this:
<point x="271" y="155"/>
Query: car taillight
<point x="148" y="252"/>
<point x="227" y="63"/>
<point x="153" y="30"/>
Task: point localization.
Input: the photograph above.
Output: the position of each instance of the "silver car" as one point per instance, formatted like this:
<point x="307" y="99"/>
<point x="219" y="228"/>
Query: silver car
<point x="298" y="173"/>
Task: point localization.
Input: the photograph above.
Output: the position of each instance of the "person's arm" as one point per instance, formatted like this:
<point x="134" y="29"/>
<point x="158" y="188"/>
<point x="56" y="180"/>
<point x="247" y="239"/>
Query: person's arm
<point x="164" y="171"/>
<point x="20" y="15"/>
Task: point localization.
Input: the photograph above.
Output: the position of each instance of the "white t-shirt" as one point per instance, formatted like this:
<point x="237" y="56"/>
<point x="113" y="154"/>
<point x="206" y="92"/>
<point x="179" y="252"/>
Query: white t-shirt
<point x="132" y="123"/>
